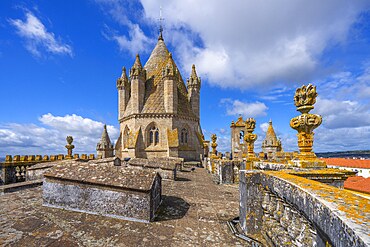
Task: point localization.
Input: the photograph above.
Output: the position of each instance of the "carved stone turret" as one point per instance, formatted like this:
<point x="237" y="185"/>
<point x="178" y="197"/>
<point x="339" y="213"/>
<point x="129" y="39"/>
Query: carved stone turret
<point x="250" y="138"/>
<point x="169" y="74"/>
<point x="104" y="147"/>
<point x="124" y="91"/>
<point x="304" y="99"/>
<point x="193" y="85"/>
<point x="69" y="147"/>
<point x="137" y="79"/>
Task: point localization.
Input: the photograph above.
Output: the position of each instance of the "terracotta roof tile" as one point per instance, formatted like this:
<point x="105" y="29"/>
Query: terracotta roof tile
<point x="358" y="183"/>
<point x="355" y="163"/>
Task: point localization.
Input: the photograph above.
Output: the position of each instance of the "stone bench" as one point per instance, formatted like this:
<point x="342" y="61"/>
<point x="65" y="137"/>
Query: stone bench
<point x="166" y="168"/>
<point x="128" y="194"/>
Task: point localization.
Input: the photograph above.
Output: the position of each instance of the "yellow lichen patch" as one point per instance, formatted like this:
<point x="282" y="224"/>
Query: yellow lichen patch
<point x="355" y="207"/>
<point x="172" y="138"/>
<point x="200" y="138"/>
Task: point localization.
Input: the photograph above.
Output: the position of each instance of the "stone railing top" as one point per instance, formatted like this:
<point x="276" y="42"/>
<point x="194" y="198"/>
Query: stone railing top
<point x="352" y="210"/>
<point x="155" y="163"/>
<point x="263" y="165"/>
<point x="106" y="160"/>
<point x="49" y="164"/>
<point x="327" y="172"/>
<point x="110" y="176"/>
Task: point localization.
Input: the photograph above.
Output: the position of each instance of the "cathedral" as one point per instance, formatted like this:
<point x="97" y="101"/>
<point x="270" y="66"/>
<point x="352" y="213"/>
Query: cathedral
<point x="159" y="116"/>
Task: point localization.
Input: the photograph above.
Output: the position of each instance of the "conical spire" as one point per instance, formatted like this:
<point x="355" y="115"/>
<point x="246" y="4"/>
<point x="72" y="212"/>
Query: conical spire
<point x="193" y="72"/>
<point x="158" y="56"/>
<point x="270" y="131"/>
<point x="137" y="63"/>
<point x="122" y="82"/>
<point x="137" y="68"/>
<point x="194" y="80"/>
<point x="271" y="139"/>
<point x="105" y="140"/>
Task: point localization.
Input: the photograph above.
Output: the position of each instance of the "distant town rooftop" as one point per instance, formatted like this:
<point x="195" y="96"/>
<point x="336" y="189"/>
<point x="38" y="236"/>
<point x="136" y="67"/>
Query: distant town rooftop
<point x="355" y="163"/>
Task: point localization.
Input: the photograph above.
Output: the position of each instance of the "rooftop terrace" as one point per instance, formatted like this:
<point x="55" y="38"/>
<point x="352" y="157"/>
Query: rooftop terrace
<point x="193" y="213"/>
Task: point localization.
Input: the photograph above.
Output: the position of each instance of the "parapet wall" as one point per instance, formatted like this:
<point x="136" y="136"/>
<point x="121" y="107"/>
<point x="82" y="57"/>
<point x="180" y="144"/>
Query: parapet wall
<point x="283" y="208"/>
<point x="14" y="168"/>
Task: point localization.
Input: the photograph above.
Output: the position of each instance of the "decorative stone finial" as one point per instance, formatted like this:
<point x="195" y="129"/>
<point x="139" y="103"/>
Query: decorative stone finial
<point x="214" y="146"/>
<point x="160" y="37"/>
<point x="250" y="138"/>
<point x="69" y="147"/>
<point x="304" y="99"/>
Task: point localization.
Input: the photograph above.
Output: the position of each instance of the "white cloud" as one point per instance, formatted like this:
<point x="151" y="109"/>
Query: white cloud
<point x="344" y="100"/>
<point x="264" y="127"/>
<point x="51" y="138"/>
<point x="37" y="38"/>
<point x="342" y="114"/>
<point x="252" y="43"/>
<point x="135" y="41"/>
<point x="246" y="109"/>
<point x="342" y="139"/>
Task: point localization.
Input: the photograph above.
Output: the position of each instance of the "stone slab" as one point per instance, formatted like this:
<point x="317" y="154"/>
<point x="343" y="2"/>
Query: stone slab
<point x="111" y="191"/>
<point x="19" y="186"/>
<point x="165" y="167"/>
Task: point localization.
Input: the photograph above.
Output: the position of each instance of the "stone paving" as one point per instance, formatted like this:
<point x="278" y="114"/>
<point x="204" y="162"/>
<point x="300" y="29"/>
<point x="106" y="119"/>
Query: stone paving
<point x="193" y="213"/>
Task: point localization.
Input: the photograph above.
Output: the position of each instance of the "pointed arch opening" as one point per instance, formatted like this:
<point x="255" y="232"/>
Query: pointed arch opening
<point x="153" y="136"/>
<point x="184" y="135"/>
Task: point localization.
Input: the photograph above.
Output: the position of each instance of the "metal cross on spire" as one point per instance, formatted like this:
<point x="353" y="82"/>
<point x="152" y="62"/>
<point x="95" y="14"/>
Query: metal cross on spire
<point x="160" y="23"/>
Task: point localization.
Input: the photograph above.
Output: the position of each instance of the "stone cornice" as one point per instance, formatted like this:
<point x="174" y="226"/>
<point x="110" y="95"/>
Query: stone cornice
<point x="157" y="115"/>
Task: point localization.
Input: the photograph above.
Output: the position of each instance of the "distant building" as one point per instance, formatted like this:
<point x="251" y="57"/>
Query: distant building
<point x="271" y="145"/>
<point x="104" y="147"/>
<point x="238" y="147"/>
<point x="361" y="166"/>
<point x="159" y="116"/>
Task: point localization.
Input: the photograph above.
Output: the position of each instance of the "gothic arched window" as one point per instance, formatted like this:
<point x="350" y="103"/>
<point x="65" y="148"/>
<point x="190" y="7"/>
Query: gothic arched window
<point x="241" y="137"/>
<point x="153" y="136"/>
<point x="184" y="136"/>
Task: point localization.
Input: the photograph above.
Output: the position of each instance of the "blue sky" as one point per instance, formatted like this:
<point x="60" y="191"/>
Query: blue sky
<point x="59" y="61"/>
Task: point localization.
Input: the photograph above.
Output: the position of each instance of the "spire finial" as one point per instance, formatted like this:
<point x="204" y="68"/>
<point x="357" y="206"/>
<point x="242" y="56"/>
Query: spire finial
<point x="160" y="24"/>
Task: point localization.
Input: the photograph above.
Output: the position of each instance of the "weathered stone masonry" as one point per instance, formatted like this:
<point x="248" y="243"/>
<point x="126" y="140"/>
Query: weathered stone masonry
<point x="128" y="194"/>
<point x="290" y="210"/>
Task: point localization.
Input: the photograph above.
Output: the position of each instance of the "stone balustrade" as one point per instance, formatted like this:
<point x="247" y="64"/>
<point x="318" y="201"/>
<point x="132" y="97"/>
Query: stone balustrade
<point x="224" y="171"/>
<point x="14" y="168"/>
<point x="281" y="209"/>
